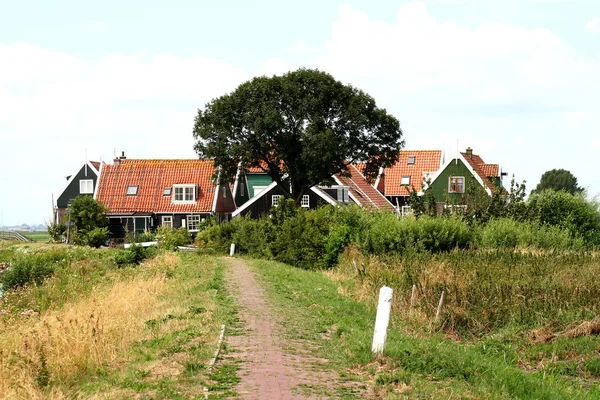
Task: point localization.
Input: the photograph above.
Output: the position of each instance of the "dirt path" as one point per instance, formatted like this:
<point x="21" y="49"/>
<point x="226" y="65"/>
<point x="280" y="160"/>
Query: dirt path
<point x="267" y="371"/>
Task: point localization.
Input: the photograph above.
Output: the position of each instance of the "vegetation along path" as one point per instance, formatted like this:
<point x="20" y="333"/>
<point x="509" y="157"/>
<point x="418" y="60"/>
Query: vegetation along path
<point x="267" y="370"/>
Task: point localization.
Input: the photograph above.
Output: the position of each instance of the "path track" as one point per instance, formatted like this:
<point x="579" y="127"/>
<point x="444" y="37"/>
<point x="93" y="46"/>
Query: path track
<point x="266" y="371"/>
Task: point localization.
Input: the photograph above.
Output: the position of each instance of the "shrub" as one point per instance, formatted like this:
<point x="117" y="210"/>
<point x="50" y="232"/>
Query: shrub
<point x="501" y="233"/>
<point x="169" y="238"/>
<point x="97" y="237"/>
<point x="57" y="232"/>
<point x="572" y="212"/>
<point x="32" y="268"/>
<point x="134" y="255"/>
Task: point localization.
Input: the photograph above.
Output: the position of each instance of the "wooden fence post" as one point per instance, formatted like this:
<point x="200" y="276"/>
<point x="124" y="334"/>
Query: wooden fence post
<point x="232" y="250"/>
<point x="382" y="320"/>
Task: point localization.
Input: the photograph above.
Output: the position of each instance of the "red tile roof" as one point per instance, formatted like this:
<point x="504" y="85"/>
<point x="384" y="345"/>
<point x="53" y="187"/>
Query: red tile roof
<point x="366" y="194"/>
<point x="425" y="161"/>
<point x="480" y="169"/>
<point x="491" y="169"/>
<point x="152" y="177"/>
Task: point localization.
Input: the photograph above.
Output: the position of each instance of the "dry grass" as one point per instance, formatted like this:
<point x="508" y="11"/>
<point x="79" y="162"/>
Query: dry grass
<point x="52" y="348"/>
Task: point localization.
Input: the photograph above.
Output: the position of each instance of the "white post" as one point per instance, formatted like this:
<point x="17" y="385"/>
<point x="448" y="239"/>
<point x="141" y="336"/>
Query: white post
<point x="439" y="307"/>
<point x="232" y="250"/>
<point x="412" y="299"/>
<point x="382" y="320"/>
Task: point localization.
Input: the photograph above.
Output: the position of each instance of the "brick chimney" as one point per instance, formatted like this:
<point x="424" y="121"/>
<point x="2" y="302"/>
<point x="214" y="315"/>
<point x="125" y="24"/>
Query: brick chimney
<point x="117" y="160"/>
<point x="470" y="152"/>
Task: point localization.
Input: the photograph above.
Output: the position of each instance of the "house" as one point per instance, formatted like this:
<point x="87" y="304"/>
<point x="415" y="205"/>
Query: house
<point x="452" y="180"/>
<point x="255" y="199"/>
<point x="81" y="183"/>
<point x="408" y="174"/>
<point x="142" y="194"/>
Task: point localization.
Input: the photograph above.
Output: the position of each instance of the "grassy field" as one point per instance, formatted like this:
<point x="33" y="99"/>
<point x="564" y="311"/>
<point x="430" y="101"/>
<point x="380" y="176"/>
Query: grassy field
<point x="37" y="236"/>
<point x="422" y="358"/>
<point x="92" y="330"/>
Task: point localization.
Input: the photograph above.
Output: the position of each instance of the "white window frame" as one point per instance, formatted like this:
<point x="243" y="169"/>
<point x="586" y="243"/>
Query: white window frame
<point x="167" y="191"/>
<point x="450" y="184"/>
<point x="258" y="189"/>
<point x="241" y="188"/>
<point x="405" y="181"/>
<point x="305" y="201"/>
<point x="192" y="222"/>
<point x="275" y="199"/>
<point x="455" y="207"/>
<point x="187" y="192"/>
<point x="132" y="190"/>
<point x="413" y="160"/>
<point x="342" y="194"/>
<point x="167" y="220"/>
<point x="224" y="192"/>
<point x="405" y="210"/>
<point x="86" y="186"/>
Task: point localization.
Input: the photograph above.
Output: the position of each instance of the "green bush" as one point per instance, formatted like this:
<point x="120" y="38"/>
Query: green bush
<point x="57" y="232"/>
<point x="169" y="238"/>
<point x="97" y="237"/>
<point x="134" y="255"/>
<point x="30" y="268"/>
<point x="574" y="213"/>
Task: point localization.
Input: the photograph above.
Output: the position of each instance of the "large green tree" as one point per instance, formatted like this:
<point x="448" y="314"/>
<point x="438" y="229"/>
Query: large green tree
<point x="304" y="124"/>
<point x="558" y="179"/>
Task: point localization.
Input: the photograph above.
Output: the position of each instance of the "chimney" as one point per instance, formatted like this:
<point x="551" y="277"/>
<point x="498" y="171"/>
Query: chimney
<point x="117" y="160"/>
<point x="470" y="152"/>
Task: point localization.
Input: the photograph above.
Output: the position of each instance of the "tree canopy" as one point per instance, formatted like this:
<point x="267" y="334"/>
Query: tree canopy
<point x="558" y="179"/>
<point x="304" y="124"/>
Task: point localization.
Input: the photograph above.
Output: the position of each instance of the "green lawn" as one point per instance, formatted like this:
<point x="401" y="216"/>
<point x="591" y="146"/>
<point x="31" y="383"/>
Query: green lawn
<point x="37" y="236"/>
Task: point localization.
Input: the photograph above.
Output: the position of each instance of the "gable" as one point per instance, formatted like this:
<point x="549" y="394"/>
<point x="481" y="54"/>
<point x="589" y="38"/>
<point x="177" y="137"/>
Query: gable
<point x="441" y="181"/>
<point x="72" y="189"/>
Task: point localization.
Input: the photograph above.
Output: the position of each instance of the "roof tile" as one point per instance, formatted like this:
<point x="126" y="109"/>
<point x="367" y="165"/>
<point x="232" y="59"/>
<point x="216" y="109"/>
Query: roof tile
<point x="425" y="161"/>
<point x="152" y="177"/>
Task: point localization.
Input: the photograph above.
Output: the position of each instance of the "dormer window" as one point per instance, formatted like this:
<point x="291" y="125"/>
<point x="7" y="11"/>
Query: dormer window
<point x="411" y="160"/>
<point x="184" y="194"/>
<point x="167" y="191"/>
<point x="405" y="180"/>
<point x="132" y="190"/>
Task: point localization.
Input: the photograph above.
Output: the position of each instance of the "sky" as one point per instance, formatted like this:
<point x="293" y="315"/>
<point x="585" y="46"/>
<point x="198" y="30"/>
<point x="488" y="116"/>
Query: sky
<point x="516" y="80"/>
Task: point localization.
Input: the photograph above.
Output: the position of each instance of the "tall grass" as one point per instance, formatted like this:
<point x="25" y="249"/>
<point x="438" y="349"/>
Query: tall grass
<point x="41" y="352"/>
<point x="485" y="290"/>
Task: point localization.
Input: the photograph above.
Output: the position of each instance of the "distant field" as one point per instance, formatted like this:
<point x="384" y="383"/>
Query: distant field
<point x="37" y="236"/>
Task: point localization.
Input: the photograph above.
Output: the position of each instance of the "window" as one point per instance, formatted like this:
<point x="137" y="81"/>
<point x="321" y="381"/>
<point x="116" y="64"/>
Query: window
<point x="342" y="194"/>
<point x="86" y="186"/>
<point x="241" y="189"/>
<point x="275" y="199"/>
<point x="224" y="192"/>
<point x="406" y="210"/>
<point x="184" y="193"/>
<point x="132" y="190"/>
<point x="458" y="209"/>
<point x="405" y="180"/>
<point x="305" y="202"/>
<point x="167" y="220"/>
<point x="192" y="222"/>
<point x="167" y="192"/>
<point x="411" y="160"/>
<point x="258" y="189"/>
<point x="457" y="184"/>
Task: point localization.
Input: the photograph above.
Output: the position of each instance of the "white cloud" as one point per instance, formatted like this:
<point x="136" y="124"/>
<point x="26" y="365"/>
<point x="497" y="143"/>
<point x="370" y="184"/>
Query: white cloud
<point x="95" y="26"/>
<point x="55" y="106"/>
<point x="520" y="97"/>
<point x="593" y="26"/>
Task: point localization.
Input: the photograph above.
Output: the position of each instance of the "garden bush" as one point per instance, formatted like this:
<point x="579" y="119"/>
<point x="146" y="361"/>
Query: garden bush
<point x="169" y="238"/>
